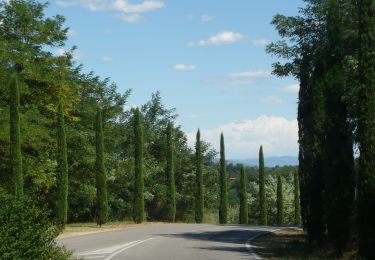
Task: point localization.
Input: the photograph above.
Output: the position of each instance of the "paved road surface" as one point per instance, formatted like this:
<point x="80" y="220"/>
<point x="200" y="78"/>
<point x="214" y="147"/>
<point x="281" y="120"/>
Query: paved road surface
<point x="167" y="242"/>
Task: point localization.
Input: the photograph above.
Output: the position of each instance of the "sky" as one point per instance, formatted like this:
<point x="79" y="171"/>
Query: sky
<point x="206" y="57"/>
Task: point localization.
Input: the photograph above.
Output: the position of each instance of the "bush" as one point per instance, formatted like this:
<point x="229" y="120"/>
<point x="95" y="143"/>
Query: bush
<point x="26" y="232"/>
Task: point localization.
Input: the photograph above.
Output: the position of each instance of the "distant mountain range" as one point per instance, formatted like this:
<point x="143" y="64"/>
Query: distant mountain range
<point x="269" y="162"/>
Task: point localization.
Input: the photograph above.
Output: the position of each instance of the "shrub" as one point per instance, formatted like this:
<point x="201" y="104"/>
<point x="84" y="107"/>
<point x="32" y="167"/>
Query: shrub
<point x="26" y="232"/>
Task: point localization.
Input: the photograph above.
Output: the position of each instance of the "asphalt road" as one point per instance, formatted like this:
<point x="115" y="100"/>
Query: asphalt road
<point x="168" y="242"/>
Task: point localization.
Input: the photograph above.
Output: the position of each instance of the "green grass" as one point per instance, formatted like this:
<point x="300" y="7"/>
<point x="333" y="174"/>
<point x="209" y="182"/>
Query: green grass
<point x="292" y="244"/>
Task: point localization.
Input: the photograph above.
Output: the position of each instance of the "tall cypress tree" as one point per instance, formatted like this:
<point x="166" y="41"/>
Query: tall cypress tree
<point x="199" y="200"/>
<point x="262" y="191"/>
<point x="62" y="170"/>
<point x="338" y="142"/>
<point x="366" y="129"/>
<point x="243" y="198"/>
<point x="223" y="208"/>
<point x="139" y="204"/>
<point x="15" y="136"/>
<point x="171" y="192"/>
<point x="297" y="208"/>
<point x="101" y="178"/>
<point x="280" y="201"/>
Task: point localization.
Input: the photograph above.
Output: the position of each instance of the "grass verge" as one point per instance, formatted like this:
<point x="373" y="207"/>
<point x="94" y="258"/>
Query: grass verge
<point x="91" y="227"/>
<point x="292" y="244"/>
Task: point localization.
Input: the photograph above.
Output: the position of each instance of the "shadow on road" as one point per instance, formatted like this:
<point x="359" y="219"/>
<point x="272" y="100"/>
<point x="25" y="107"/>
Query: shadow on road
<point x="232" y="240"/>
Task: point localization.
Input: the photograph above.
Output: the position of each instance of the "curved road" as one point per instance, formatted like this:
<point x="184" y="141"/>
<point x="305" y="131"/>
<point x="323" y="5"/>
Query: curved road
<point x="168" y="241"/>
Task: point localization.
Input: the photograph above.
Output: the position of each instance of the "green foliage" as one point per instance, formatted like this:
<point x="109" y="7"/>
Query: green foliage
<point x="297" y="207"/>
<point x="101" y="177"/>
<point x="138" y="206"/>
<point x="243" y="218"/>
<point x="366" y="129"/>
<point x="171" y="193"/>
<point x="26" y="232"/>
<point x="223" y="208"/>
<point x="62" y="171"/>
<point x="15" y="135"/>
<point x="199" y="197"/>
<point x="280" y="202"/>
<point x="262" y="192"/>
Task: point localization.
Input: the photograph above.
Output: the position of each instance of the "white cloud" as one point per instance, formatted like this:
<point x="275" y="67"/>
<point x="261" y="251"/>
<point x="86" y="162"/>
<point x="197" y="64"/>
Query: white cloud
<point x="121" y="9"/>
<point x="291" y="88"/>
<point x="207" y="18"/>
<point x="241" y="78"/>
<point x="130" y="18"/>
<point x="183" y="67"/>
<point x="72" y="33"/>
<point x="76" y="55"/>
<point x="272" y="100"/>
<point x="218" y="39"/>
<point x="278" y="135"/>
<point x="106" y="59"/>
<point x="260" y="42"/>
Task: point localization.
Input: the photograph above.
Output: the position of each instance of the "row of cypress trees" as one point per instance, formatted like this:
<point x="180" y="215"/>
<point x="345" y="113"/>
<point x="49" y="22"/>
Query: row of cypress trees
<point x="330" y="49"/>
<point x="223" y="179"/>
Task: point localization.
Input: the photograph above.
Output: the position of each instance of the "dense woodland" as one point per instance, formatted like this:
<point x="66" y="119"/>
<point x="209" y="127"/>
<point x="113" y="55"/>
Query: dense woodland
<point x="329" y="48"/>
<point x="69" y="142"/>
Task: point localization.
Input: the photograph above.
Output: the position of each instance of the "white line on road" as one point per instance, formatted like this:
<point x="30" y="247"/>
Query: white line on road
<point x="125" y="248"/>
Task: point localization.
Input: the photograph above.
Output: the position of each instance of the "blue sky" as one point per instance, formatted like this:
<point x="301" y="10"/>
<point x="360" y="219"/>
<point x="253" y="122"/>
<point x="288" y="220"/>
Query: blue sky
<point x="206" y="58"/>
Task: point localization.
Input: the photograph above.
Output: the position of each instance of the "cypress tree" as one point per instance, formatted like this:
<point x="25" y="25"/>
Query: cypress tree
<point x="280" y="201"/>
<point x="138" y="206"/>
<point x="62" y="170"/>
<point x="199" y="200"/>
<point x="366" y="129"/>
<point x="15" y="136"/>
<point x="223" y="210"/>
<point x="297" y="209"/>
<point x="338" y="143"/>
<point x="262" y="192"/>
<point x="171" y="192"/>
<point x="101" y="178"/>
<point x="243" y="198"/>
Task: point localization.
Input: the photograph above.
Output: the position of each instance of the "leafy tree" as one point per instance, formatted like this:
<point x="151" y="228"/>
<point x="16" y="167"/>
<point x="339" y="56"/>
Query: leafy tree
<point x="101" y="177"/>
<point x="280" y="202"/>
<point x="62" y="171"/>
<point x="262" y="193"/>
<point x="366" y="129"/>
<point x="243" y="198"/>
<point x="138" y="205"/>
<point x="199" y="200"/>
<point x="297" y="208"/>
<point x="15" y="136"/>
<point x="171" y="194"/>
<point x="223" y="208"/>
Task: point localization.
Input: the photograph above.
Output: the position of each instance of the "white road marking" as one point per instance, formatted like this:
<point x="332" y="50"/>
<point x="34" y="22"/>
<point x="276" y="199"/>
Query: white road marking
<point x="126" y="247"/>
<point x="107" y="250"/>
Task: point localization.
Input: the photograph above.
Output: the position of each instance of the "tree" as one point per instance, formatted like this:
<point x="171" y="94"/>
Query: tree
<point x="262" y="191"/>
<point x="15" y="135"/>
<point x="139" y="204"/>
<point x="243" y="198"/>
<point x="199" y="200"/>
<point x="366" y="129"/>
<point x="223" y="208"/>
<point x="101" y="177"/>
<point x="280" y="201"/>
<point x="297" y="208"/>
<point x="338" y="141"/>
<point x="62" y="170"/>
<point x="171" y="186"/>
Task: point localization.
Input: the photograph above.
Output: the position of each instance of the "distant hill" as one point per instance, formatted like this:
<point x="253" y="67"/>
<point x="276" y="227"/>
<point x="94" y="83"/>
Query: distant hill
<point x="269" y="162"/>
